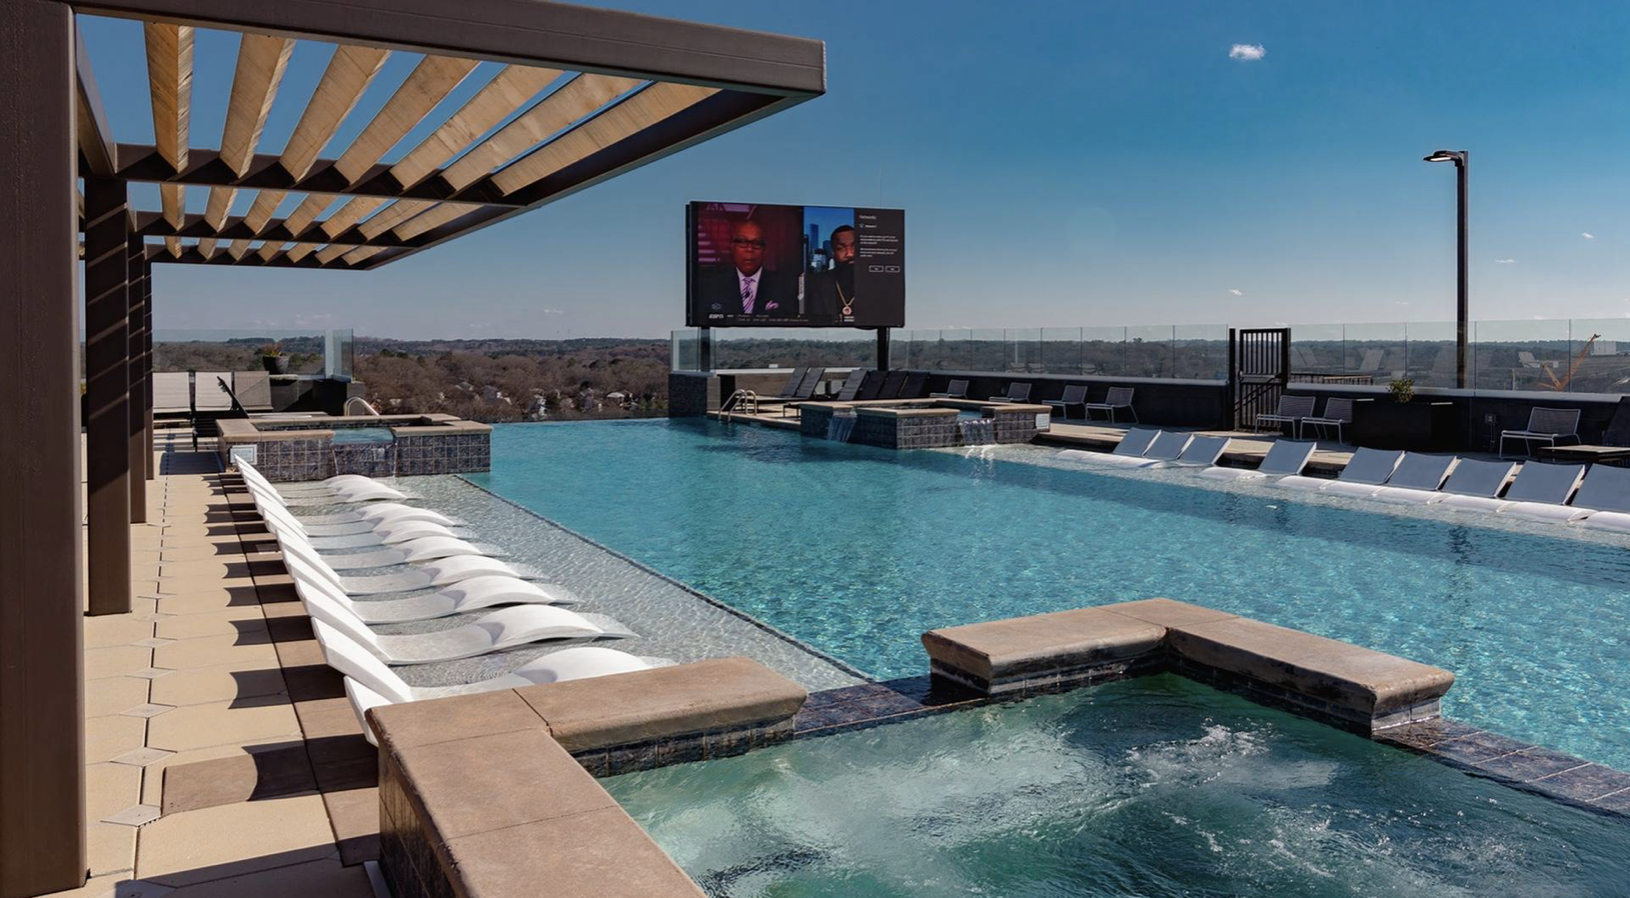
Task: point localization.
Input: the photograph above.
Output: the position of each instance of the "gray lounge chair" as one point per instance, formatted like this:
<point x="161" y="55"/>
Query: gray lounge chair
<point x="1337" y="412"/>
<point x="1545" y="425"/>
<point x="1074" y="395"/>
<point x="1366" y="472"/>
<point x="1292" y="409"/>
<point x="1129" y="450"/>
<point x="1117" y="398"/>
<point x="1474" y="485"/>
<point x="1541" y="492"/>
<point x="851" y="384"/>
<point x="1201" y="452"/>
<point x="1285" y="458"/>
<point x="1606" y="489"/>
<point x="1417" y="480"/>
<point x="956" y="389"/>
<point x="1016" y="392"/>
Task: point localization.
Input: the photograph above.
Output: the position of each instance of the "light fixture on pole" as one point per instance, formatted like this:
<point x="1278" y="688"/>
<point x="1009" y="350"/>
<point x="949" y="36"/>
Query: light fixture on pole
<point x="1462" y="161"/>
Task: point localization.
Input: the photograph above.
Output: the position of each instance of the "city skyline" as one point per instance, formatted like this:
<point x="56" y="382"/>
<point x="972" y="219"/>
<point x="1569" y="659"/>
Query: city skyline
<point x="1058" y="166"/>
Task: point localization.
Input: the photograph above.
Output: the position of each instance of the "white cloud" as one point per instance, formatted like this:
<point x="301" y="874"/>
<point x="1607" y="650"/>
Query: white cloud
<point x="1247" y="52"/>
<point x="1587" y="235"/>
<point x="551" y="311"/>
<point x="1505" y="261"/>
<point x="1236" y="291"/>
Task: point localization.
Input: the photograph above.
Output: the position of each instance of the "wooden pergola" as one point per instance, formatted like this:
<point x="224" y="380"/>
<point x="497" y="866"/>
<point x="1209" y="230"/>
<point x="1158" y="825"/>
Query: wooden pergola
<point x="579" y="95"/>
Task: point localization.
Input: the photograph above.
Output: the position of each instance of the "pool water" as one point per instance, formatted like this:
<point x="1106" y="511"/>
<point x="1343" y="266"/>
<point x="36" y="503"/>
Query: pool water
<point x="347" y="435"/>
<point x="1151" y="787"/>
<point x="857" y="551"/>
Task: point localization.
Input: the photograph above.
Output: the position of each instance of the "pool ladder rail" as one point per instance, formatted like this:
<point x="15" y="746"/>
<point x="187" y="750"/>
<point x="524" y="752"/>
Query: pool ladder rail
<point x="744" y="401"/>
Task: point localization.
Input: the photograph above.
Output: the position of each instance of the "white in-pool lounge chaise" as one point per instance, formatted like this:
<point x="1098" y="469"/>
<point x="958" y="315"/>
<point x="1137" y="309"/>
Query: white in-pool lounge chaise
<point x="1201" y="452"/>
<point x="494" y="631"/>
<point x="1541" y="493"/>
<point x="427" y="547"/>
<point x="1475" y="485"/>
<point x="474" y="594"/>
<point x="1285" y="458"/>
<point x="366" y="519"/>
<point x="370" y="683"/>
<point x="1133" y="444"/>
<point x="1417" y="480"/>
<point x="1163" y="446"/>
<point x="442" y="572"/>
<point x="1366" y="472"/>
<point x="370" y="491"/>
<point x="1607" y="490"/>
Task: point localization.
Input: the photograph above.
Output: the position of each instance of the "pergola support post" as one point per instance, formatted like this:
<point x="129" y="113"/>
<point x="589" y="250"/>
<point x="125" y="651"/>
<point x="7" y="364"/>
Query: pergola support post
<point x="42" y="749"/>
<point x="107" y="395"/>
<point x="136" y="430"/>
<point x="148" y="464"/>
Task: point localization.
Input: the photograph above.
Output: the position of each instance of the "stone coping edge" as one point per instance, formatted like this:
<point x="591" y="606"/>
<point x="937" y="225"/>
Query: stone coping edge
<point x="1336" y="682"/>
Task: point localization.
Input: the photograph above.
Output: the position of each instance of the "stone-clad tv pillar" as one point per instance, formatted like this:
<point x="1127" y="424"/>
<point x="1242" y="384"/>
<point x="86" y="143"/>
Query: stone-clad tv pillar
<point x="107" y="395"/>
<point x="42" y="754"/>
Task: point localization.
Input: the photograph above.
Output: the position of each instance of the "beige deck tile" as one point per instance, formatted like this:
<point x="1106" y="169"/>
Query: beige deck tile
<point x="153" y="782"/>
<point x="108" y="737"/>
<point x="115" y="629"/>
<point x="203" y="600"/>
<point x="116" y="661"/>
<point x="212" y="651"/>
<point x="95" y="887"/>
<point x="110" y="788"/>
<point x="201" y="552"/>
<point x="245" y="679"/>
<point x="112" y="847"/>
<point x="111" y="695"/>
<point x="315" y="879"/>
<point x="220" y="723"/>
<point x="231" y="621"/>
<point x="234" y="839"/>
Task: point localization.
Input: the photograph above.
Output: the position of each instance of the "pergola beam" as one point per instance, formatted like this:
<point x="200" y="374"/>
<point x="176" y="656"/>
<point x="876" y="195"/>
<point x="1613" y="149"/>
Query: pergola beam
<point x="153" y="224"/>
<point x="554" y="35"/>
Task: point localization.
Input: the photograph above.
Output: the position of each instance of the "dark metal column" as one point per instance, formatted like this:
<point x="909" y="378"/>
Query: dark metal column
<point x="147" y="367"/>
<point x="42" y="752"/>
<point x="107" y="395"/>
<point x="136" y="323"/>
<point x="1462" y="273"/>
<point x="882" y="349"/>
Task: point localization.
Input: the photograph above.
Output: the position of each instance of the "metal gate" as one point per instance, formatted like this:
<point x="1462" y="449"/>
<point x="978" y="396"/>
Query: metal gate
<point x="1258" y="370"/>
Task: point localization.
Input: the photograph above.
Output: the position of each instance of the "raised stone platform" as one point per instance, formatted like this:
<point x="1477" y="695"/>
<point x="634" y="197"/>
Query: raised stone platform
<point x="472" y="787"/>
<point x="1342" y="684"/>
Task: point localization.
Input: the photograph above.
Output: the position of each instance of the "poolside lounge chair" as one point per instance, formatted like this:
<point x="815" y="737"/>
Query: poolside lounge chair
<point x="1337" y="412"/>
<point x="1292" y="409"/>
<point x="330" y="493"/>
<point x="493" y="631"/>
<point x="1285" y="458"/>
<point x="871" y="386"/>
<point x="851" y="384"/>
<point x="1545" y="425"/>
<point x="442" y="572"/>
<point x="424" y="548"/>
<point x="1074" y="395"/>
<point x="389" y="535"/>
<point x="1417" y="480"/>
<point x="1117" y="398"/>
<point x="370" y="683"/>
<point x="1607" y="490"/>
<point x="1474" y="484"/>
<point x="1541" y="493"/>
<point x="1365" y="473"/>
<point x="892" y="384"/>
<point x="957" y="389"/>
<point x="474" y="594"/>
<point x="1134" y="443"/>
<point x="253" y="390"/>
<point x="1201" y="452"/>
<point x="914" y="385"/>
<point x="1016" y="392"/>
<point x="172" y="392"/>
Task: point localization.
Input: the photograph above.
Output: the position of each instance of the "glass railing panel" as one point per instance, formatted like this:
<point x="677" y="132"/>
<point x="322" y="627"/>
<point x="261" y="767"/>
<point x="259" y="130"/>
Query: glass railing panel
<point x="1061" y="350"/>
<point x="1149" y="351"/>
<point x="759" y="348"/>
<point x="1430" y="354"/>
<point x="1520" y="355"/>
<point x="1103" y="351"/>
<point x="1598" y="356"/>
<point x="1200" y="351"/>
<point x="1024" y="350"/>
<point x="304" y="353"/>
<point x="1317" y="351"/>
<point x="987" y="350"/>
<point x="1373" y="354"/>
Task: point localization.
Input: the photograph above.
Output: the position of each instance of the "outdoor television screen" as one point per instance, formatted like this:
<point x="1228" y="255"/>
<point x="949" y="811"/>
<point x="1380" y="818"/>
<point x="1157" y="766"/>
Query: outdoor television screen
<point x="754" y="265"/>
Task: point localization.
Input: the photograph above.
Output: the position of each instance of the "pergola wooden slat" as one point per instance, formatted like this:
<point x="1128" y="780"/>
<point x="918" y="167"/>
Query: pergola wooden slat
<point x="169" y="75"/>
<point x="262" y="60"/>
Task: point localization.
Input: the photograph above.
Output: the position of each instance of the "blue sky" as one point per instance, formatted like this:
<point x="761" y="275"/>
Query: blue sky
<point x="1061" y="164"/>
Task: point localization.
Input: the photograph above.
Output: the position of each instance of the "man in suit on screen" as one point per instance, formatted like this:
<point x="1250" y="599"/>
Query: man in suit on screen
<point x="745" y="286"/>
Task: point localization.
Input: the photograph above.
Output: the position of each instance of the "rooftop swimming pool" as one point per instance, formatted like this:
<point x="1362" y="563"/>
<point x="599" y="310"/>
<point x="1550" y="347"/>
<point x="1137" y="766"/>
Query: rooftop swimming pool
<point x="857" y="551"/>
<point x="1156" y="787"/>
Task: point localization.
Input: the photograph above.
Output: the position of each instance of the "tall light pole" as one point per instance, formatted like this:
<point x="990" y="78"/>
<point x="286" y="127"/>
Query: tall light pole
<point x="1462" y="161"/>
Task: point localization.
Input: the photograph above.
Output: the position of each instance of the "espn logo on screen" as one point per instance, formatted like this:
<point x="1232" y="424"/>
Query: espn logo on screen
<point x="883" y="269"/>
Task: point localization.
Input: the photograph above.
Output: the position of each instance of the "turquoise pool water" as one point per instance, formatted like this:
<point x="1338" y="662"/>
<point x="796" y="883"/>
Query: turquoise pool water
<point x="857" y="551"/>
<point x="1151" y="787"/>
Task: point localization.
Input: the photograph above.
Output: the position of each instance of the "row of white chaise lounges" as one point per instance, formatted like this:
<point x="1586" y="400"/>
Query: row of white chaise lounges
<point x="439" y="573"/>
<point x="1598" y="497"/>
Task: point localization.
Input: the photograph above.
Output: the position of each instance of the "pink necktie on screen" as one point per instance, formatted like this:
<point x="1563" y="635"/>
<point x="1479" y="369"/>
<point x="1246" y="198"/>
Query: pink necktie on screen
<point x="747" y="296"/>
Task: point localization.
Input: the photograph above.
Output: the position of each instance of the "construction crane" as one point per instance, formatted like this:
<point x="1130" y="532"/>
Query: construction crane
<point x="1562" y="385"/>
